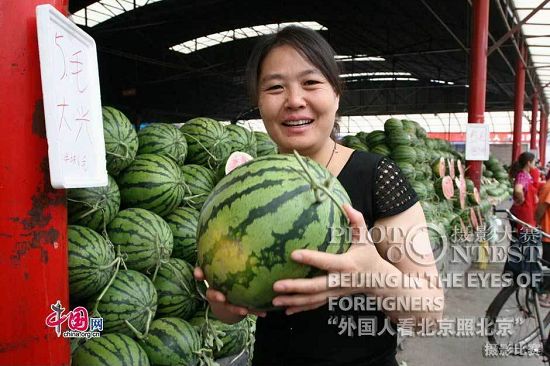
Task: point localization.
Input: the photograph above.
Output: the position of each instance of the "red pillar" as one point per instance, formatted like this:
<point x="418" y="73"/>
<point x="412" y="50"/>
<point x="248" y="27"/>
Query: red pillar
<point x="543" y="134"/>
<point x="518" y="105"/>
<point x="33" y="226"/>
<point x="534" y="115"/>
<point x="478" y="76"/>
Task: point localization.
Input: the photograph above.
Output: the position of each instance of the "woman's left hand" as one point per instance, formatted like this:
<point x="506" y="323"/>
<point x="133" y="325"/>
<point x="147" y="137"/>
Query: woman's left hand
<point x="307" y="294"/>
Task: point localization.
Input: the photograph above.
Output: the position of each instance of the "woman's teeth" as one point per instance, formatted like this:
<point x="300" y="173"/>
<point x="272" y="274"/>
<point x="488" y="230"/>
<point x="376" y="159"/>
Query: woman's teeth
<point x="298" y="122"/>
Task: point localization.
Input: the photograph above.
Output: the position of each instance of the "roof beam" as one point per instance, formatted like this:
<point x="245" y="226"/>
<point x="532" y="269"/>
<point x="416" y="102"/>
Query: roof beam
<point x="516" y="27"/>
<point x="447" y="27"/>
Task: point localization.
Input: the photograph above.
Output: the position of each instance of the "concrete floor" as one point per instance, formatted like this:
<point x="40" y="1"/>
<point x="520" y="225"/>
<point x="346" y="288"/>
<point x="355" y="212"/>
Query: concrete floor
<point x="455" y="351"/>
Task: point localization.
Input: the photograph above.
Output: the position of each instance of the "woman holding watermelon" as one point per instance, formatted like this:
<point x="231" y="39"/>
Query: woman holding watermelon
<point x="294" y="80"/>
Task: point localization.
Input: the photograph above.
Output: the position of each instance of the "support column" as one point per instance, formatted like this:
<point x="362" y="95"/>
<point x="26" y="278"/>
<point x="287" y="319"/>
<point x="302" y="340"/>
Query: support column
<point x="518" y="105"/>
<point x="534" y="115"/>
<point x="542" y="138"/>
<point x="33" y="216"/>
<point x="478" y="76"/>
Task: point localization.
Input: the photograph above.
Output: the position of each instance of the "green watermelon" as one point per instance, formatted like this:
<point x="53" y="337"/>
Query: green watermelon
<point x="381" y="149"/>
<point x="199" y="182"/>
<point x="403" y="153"/>
<point x="183" y="223"/>
<point x="398" y="138"/>
<point x="172" y="342"/>
<point x="90" y="262"/>
<point x="152" y="182"/>
<point x="257" y="215"/>
<point x="241" y="139"/>
<point x="420" y="190"/>
<point x="93" y="207"/>
<point x="110" y="350"/>
<point x="121" y="141"/>
<point x="208" y="142"/>
<point x="264" y="144"/>
<point x="407" y="169"/>
<point x="163" y="139"/>
<point x="131" y="297"/>
<point x="177" y="294"/>
<point x="393" y="125"/>
<point x="234" y="337"/>
<point x="142" y="236"/>
<point x="375" y="138"/>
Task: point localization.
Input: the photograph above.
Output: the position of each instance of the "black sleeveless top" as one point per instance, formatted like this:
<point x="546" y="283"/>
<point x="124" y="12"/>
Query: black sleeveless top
<point x="378" y="189"/>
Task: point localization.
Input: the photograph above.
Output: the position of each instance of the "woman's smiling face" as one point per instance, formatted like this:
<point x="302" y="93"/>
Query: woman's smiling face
<point x="297" y="103"/>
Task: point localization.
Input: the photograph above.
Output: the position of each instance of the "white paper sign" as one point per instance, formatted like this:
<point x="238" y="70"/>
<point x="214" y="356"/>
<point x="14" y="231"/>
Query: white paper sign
<point x="477" y="141"/>
<point x="72" y="102"/>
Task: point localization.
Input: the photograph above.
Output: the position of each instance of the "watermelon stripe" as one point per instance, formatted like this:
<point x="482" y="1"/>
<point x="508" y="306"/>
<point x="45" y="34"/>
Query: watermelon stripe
<point x="252" y="189"/>
<point x="185" y="336"/>
<point x="99" y="356"/>
<point x="111" y="352"/>
<point x="137" y="218"/>
<point x="276" y="203"/>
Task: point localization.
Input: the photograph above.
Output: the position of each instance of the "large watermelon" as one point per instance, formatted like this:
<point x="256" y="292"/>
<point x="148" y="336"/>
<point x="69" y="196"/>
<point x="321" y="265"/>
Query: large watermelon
<point x="264" y="144"/>
<point x="172" y="342"/>
<point x="152" y="182"/>
<point x="163" y="139"/>
<point x="183" y="223"/>
<point x="199" y="182"/>
<point x="131" y="297"/>
<point x="177" y="294"/>
<point x="110" y="350"/>
<point x="143" y="237"/>
<point x="241" y="139"/>
<point x="257" y="215"/>
<point x="90" y="262"/>
<point x="93" y="207"/>
<point x="208" y="142"/>
<point x="121" y="141"/>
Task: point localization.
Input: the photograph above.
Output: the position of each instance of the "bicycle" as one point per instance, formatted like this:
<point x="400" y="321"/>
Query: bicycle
<point x="522" y="301"/>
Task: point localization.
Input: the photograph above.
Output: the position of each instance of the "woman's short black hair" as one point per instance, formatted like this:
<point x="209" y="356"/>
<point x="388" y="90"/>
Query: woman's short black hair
<point x="310" y="44"/>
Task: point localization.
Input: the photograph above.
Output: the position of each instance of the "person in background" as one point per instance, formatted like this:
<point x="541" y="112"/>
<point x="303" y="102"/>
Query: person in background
<point x="525" y="191"/>
<point x="542" y="216"/>
<point x="538" y="182"/>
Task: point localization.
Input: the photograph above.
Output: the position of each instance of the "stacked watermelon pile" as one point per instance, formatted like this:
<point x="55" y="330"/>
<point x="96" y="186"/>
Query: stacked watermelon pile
<point x="132" y="244"/>
<point x="435" y="170"/>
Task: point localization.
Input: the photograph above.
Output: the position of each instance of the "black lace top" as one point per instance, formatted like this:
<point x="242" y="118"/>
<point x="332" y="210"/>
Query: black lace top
<point x="378" y="189"/>
<point x="393" y="193"/>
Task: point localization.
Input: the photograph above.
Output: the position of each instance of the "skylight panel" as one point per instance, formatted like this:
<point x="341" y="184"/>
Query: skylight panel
<point x="377" y="73"/>
<point x="239" y="33"/>
<point x="357" y="58"/>
<point x="104" y="10"/>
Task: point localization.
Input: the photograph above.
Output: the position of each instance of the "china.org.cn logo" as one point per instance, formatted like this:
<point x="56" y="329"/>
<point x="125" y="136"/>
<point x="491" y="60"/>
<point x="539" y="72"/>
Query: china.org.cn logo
<point x="79" y="323"/>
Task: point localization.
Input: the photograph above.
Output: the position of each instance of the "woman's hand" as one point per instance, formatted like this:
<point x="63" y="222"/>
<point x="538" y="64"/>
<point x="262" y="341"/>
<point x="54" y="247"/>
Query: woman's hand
<point x="222" y="309"/>
<point x="308" y="294"/>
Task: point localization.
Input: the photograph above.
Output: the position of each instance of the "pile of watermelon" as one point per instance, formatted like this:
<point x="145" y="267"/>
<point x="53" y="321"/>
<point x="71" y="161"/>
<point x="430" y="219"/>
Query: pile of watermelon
<point x="437" y="173"/>
<point x="132" y="244"/>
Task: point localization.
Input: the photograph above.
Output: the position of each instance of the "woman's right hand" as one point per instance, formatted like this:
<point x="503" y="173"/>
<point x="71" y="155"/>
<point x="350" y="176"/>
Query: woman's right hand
<point x="222" y="309"/>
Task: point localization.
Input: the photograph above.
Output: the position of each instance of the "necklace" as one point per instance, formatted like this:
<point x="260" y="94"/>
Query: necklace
<point x="331" y="155"/>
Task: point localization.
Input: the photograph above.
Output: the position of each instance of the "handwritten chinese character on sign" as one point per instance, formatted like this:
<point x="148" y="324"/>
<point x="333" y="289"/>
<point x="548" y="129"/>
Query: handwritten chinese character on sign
<point x="72" y="103"/>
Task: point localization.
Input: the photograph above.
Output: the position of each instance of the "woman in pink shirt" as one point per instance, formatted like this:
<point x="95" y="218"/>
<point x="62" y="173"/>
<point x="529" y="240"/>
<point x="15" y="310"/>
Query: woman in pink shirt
<point x="525" y="189"/>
